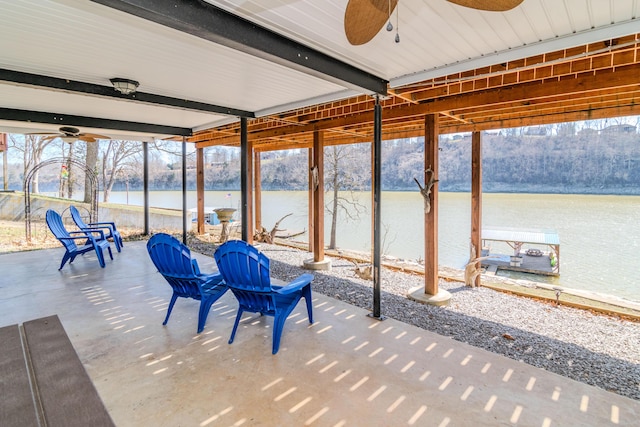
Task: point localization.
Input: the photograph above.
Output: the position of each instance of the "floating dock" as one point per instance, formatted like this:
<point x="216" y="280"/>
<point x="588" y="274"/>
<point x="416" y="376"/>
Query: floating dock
<point x="210" y="215"/>
<point x="534" y="251"/>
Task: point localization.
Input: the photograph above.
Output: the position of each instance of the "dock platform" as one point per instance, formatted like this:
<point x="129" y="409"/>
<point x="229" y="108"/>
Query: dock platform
<point x="529" y="264"/>
<point x="534" y="251"/>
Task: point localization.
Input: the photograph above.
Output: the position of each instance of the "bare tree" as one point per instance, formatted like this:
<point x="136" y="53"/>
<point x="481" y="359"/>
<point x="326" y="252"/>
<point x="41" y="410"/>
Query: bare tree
<point x="91" y="160"/>
<point x="32" y="148"/>
<point x="345" y="168"/>
<point x="71" y="172"/>
<point x="116" y="155"/>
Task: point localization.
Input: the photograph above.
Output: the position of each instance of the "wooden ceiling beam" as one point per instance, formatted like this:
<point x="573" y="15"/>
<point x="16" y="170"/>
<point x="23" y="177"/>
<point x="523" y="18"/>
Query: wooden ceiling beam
<point x="472" y="116"/>
<point x="597" y="56"/>
<point x="414" y="128"/>
<point x="593" y="114"/>
<point x="573" y="83"/>
<point x="528" y="92"/>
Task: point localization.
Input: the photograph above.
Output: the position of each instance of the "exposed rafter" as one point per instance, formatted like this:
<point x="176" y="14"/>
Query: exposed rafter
<point x="585" y="82"/>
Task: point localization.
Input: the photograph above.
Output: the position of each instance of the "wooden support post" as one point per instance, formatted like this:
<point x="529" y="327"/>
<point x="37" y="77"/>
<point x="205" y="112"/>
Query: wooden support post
<point x="431" y="133"/>
<point x="318" y="195"/>
<point x="310" y="209"/>
<point x="246" y="181"/>
<point x="257" y="196"/>
<point x="476" y="196"/>
<point x="200" y="189"/>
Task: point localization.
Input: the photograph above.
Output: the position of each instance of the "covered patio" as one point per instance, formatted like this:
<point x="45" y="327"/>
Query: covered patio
<point x="292" y="81"/>
<point x="287" y="75"/>
<point x="346" y="369"/>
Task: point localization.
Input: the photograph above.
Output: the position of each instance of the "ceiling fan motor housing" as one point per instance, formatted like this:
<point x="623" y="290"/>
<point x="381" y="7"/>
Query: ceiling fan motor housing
<point x="69" y="130"/>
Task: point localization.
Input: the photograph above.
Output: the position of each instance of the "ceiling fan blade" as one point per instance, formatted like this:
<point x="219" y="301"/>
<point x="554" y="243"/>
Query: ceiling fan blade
<point x="363" y="19"/>
<point x="50" y="137"/>
<point x="93" y="136"/>
<point x="488" y="5"/>
<point x="86" y="138"/>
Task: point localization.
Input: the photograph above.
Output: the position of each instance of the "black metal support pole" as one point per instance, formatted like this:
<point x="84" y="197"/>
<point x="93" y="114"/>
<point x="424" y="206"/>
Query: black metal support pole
<point x="376" y="190"/>
<point x="184" y="190"/>
<point x="244" y="177"/>
<point x="145" y="185"/>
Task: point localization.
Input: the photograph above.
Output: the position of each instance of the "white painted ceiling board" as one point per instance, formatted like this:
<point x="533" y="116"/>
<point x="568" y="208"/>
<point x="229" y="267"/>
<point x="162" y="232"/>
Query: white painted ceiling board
<point x="94" y="106"/>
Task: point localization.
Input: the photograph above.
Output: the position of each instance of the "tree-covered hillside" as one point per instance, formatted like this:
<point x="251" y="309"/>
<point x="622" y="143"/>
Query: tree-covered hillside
<point x="554" y="159"/>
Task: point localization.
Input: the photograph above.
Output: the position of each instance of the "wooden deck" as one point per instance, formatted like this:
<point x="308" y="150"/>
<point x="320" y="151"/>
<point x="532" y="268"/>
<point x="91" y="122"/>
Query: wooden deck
<point x="516" y="239"/>
<point x="530" y="264"/>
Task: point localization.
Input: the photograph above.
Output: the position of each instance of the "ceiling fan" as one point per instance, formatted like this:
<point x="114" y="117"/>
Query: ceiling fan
<point x="364" y="18"/>
<point x="70" y="134"/>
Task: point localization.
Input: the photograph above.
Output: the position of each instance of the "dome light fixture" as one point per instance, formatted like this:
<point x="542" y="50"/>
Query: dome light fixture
<point x="124" y="86"/>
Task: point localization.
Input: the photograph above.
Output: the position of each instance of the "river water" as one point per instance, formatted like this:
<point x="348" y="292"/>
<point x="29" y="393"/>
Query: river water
<point x="599" y="235"/>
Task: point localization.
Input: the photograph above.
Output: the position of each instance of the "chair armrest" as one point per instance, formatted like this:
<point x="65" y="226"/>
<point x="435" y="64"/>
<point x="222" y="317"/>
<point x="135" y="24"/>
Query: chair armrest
<point x="92" y="225"/>
<point x="105" y="224"/>
<point x="216" y="276"/>
<point x="85" y="236"/>
<point x="89" y="232"/>
<point x="196" y="269"/>
<point x="295" y="285"/>
<point x="212" y="279"/>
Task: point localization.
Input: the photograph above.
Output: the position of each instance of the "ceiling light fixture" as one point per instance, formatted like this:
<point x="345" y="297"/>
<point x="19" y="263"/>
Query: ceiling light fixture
<point x="69" y="139"/>
<point x="124" y="86"/>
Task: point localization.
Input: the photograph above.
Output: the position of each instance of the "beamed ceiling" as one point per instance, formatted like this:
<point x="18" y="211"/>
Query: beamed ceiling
<point x="594" y="81"/>
<point x="287" y="66"/>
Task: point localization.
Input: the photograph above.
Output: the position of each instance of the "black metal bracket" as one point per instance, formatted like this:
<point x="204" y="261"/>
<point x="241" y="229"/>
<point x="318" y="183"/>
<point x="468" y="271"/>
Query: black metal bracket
<point x="93" y="122"/>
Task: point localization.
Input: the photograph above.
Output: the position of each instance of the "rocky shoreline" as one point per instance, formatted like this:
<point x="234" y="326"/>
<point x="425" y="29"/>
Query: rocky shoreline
<point x="595" y="349"/>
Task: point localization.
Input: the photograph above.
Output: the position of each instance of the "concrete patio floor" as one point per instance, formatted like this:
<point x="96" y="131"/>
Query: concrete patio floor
<point x="344" y="370"/>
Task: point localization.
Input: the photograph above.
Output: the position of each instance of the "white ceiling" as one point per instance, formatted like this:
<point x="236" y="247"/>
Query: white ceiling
<point x="88" y="42"/>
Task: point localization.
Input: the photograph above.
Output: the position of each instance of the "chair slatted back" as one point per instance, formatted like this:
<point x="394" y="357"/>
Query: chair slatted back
<point x="55" y="224"/>
<point x="173" y="260"/>
<point x="77" y="218"/>
<point x="246" y="271"/>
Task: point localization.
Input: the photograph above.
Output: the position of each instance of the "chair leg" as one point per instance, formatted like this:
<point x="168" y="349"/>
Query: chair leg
<point x="205" y="306"/>
<point x="306" y="293"/>
<point x="174" y="297"/>
<point x="110" y="253"/>
<point x="235" y="325"/>
<point x="64" y="260"/>
<point x="100" y="255"/>
<point x="117" y="242"/>
<point x="278" y="327"/>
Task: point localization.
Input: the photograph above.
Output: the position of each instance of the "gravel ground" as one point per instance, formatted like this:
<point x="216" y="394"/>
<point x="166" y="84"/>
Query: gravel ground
<point x="594" y="349"/>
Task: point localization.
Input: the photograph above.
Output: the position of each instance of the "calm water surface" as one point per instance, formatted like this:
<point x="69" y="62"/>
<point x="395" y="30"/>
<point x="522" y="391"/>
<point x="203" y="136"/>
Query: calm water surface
<point x="599" y="235"/>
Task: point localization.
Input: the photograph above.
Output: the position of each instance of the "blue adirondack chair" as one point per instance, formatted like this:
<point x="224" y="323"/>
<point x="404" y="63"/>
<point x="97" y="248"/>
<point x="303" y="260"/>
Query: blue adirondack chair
<point x="246" y="271"/>
<point x="110" y="230"/>
<point x="173" y="260"/>
<point x="93" y="240"/>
